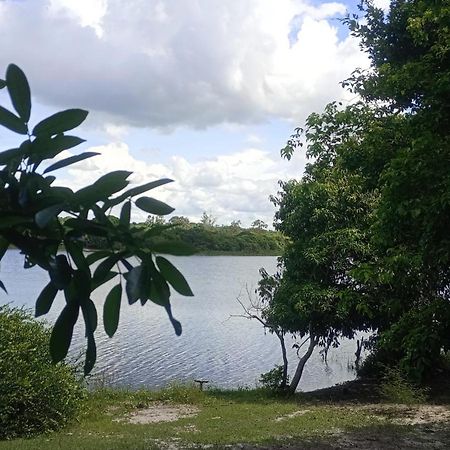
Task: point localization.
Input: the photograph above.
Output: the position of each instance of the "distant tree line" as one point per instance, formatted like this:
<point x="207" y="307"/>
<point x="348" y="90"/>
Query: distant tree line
<point x="207" y="237"/>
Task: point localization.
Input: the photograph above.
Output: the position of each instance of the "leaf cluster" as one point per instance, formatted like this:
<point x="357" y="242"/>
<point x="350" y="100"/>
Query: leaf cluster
<point x="31" y="209"/>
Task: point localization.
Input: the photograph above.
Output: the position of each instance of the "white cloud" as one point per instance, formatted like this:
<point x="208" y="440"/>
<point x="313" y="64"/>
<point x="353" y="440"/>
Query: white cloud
<point x="150" y="63"/>
<point x="235" y="186"/>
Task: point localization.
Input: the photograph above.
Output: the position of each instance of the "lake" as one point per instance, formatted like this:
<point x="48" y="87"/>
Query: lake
<point x="228" y="351"/>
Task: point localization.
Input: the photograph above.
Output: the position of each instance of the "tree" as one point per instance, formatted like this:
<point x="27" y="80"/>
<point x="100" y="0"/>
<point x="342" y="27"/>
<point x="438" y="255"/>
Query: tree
<point x="30" y="205"/>
<point x="180" y="221"/>
<point x="368" y="223"/>
<point x="208" y="219"/>
<point x="258" y="224"/>
<point x="235" y="224"/>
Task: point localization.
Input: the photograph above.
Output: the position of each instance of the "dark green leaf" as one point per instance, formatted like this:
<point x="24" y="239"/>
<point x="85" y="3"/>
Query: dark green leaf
<point x="96" y="255"/>
<point x="175" y="323"/>
<point x="159" y="292"/>
<point x="153" y="206"/>
<point x="2" y="84"/>
<point x="70" y="160"/>
<point x="2" y="286"/>
<point x="138" y="190"/>
<point x="109" y="276"/>
<point x="19" y="91"/>
<point x="111" y="310"/>
<point x="125" y="214"/>
<point x="42" y="218"/>
<point x="105" y="267"/>
<point x="60" y="272"/>
<point x="60" y="122"/>
<point x="8" y="155"/>
<point x="75" y="249"/>
<point x="133" y="284"/>
<point x="45" y="300"/>
<point x="61" y="336"/>
<point x="173" y="276"/>
<point x="45" y="147"/>
<point x="104" y="187"/>
<point x="12" y="122"/>
<point x="90" y="316"/>
<point x="91" y="354"/>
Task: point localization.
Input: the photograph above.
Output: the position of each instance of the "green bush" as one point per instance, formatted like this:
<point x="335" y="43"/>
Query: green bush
<point x="35" y="395"/>
<point x="396" y="389"/>
<point x="272" y="379"/>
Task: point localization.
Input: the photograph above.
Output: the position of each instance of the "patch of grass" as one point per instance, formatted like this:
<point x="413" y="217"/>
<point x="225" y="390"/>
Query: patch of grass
<point x="225" y="417"/>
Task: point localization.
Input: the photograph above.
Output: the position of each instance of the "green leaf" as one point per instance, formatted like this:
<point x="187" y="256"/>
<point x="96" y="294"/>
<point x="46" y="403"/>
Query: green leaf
<point x="173" y="276"/>
<point x="104" y="187"/>
<point x="138" y="190"/>
<point x="111" y="310"/>
<point x="70" y="160"/>
<point x="91" y="354"/>
<point x="105" y="267"/>
<point x="90" y="316"/>
<point x="109" y="276"/>
<point x="2" y="84"/>
<point x="12" y="122"/>
<point x="2" y="286"/>
<point x="62" y="332"/>
<point x="153" y="206"/>
<point x="19" y="91"/>
<point x="60" y="271"/>
<point x="9" y="155"/>
<point x="45" y="147"/>
<point x="125" y="214"/>
<point x="75" y="250"/>
<point x="96" y="255"/>
<point x="133" y="284"/>
<point x="60" y="122"/>
<point x="159" y="291"/>
<point x="175" y="323"/>
<point x="43" y="217"/>
<point x="45" y="300"/>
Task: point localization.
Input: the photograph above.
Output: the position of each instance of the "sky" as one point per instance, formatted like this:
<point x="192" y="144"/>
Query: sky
<point x="205" y="92"/>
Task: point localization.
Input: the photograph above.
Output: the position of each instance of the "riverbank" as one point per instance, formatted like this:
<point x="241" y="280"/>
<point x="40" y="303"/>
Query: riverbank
<point x="346" y="416"/>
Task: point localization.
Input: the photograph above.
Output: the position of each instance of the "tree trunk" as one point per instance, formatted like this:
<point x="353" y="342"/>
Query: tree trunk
<point x="280" y="336"/>
<point x="301" y="364"/>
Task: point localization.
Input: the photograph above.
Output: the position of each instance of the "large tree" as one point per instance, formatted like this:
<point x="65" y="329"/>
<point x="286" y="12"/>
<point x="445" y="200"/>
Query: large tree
<point x="369" y="221"/>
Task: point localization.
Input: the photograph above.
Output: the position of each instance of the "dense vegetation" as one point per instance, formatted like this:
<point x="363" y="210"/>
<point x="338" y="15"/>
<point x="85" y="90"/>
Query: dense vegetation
<point x="368" y="223"/>
<point x="35" y="395"/>
<point x="211" y="239"/>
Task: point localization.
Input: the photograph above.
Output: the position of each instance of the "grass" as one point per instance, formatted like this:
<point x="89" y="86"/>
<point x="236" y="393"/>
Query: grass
<point x="224" y="418"/>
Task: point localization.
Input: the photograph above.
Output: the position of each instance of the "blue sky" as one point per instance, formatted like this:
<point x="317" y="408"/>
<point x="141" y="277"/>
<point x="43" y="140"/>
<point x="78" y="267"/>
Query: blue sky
<point x="205" y="92"/>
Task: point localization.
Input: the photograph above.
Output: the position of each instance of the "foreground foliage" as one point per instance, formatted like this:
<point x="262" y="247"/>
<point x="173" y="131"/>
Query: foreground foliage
<point x="30" y="204"/>
<point x="36" y="395"/>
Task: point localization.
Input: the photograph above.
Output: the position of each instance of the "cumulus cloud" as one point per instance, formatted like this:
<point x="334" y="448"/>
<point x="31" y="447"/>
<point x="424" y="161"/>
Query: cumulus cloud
<point x="235" y="186"/>
<point x="150" y="63"/>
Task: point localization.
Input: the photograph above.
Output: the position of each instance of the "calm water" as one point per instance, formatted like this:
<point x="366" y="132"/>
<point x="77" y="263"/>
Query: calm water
<point x="228" y="351"/>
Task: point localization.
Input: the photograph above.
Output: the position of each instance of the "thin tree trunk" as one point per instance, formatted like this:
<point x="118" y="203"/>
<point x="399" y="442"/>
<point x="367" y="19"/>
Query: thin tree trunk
<point x="301" y="364"/>
<point x="280" y="336"/>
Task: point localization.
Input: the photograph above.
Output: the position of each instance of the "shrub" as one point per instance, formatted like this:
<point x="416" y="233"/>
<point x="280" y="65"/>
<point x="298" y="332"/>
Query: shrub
<point x="396" y="389"/>
<point x="272" y="379"/>
<point x="35" y="395"/>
